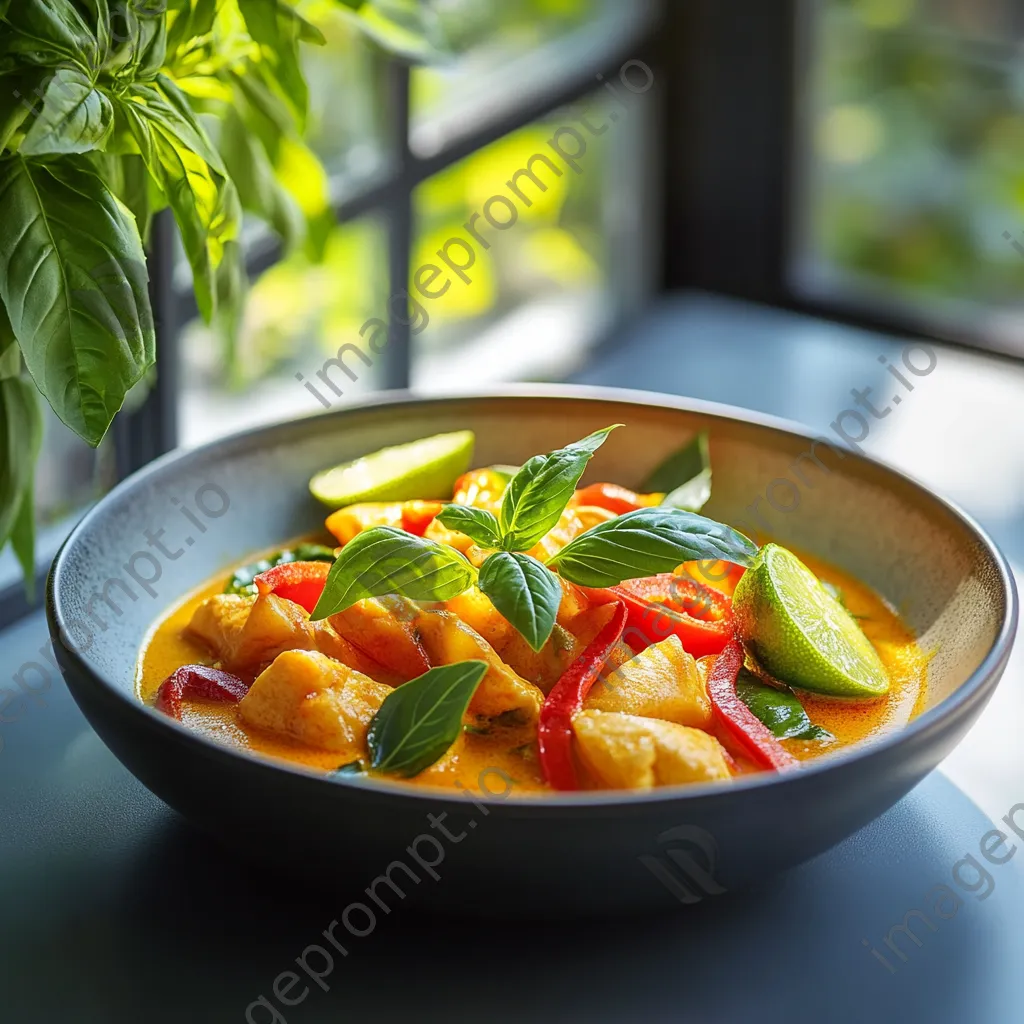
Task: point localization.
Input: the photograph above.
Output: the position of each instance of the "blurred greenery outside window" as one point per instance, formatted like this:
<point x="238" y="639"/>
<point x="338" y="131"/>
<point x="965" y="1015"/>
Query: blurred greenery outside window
<point x="538" y="295"/>
<point x="917" y="158"/>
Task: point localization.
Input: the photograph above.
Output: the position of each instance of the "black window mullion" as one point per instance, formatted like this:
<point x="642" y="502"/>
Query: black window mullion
<point x="152" y="429"/>
<point x="396" y="358"/>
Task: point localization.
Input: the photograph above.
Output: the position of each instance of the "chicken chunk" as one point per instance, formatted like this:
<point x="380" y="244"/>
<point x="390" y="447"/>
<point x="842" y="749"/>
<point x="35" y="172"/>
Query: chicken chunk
<point x="661" y="681"/>
<point x="476" y="610"/>
<point x="629" y="752"/>
<point x="544" y="667"/>
<point x="382" y="627"/>
<point x="447" y="639"/>
<point x="246" y="633"/>
<point x="328" y="641"/>
<point x="306" y="696"/>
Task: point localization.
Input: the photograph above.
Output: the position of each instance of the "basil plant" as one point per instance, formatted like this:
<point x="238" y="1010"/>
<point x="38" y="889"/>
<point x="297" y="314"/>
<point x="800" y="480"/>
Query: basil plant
<point x="111" y="110"/>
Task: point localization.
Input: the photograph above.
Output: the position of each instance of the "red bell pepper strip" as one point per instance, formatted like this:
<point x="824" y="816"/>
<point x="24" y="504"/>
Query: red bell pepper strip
<point x="736" y="719"/>
<point x="554" y="730"/>
<point x="614" y="498"/>
<point x="301" y="582"/>
<point x="418" y="515"/>
<point x="658" y="606"/>
<point x="198" y="682"/>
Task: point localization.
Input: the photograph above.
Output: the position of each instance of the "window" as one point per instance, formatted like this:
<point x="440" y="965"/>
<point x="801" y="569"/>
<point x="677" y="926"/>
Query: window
<point x="914" y="150"/>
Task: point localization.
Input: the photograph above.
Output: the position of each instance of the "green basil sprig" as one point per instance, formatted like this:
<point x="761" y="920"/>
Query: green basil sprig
<point x="685" y="476"/>
<point x="537" y="495"/>
<point x="645" y="542"/>
<point x="778" y="709"/>
<point x="476" y="523"/>
<point x="526" y="592"/>
<point x="384" y="560"/>
<point x="422" y="718"/>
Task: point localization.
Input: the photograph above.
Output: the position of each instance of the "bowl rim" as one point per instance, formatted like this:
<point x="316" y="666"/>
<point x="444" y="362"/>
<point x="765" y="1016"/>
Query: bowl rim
<point x="977" y="687"/>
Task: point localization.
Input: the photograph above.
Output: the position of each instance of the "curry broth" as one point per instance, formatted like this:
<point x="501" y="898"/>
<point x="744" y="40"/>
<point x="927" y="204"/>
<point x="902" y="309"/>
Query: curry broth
<point x="512" y="751"/>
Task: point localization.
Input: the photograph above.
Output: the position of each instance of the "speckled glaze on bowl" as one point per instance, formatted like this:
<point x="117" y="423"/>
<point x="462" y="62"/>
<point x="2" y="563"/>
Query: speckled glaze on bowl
<point x="587" y="853"/>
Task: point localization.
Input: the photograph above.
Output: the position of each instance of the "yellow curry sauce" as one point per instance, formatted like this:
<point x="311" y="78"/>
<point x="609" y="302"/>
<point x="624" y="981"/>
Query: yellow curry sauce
<point x="512" y="750"/>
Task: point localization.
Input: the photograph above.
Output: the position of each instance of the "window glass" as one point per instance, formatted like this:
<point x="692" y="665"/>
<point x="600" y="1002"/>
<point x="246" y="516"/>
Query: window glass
<point x="491" y="35"/>
<point x="297" y="316"/>
<point x="516" y="260"/>
<point x="916" y="175"/>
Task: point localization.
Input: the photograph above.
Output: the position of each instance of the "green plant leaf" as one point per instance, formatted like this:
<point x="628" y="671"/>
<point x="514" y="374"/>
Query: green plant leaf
<point x="253" y="175"/>
<point x="685" y="476"/>
<point x="524" y="591"/>
<point x="476" y="523"/>
<point x="42" y="30"/>
<point x="192" y="176"/>
<point x="645" y="542"/>
<point x="23" y="536"/>
<point x="132" y="37"/>
<point x="75" y="117"/>
<point x="278" y="29"/>
<point x="422" y="718"/>
<point x="539" y="492"/>
<point x="384" y="560"/>
<point x="73" y="278"/>
<point x="21" y="433"/>
<point x="20" y="97"/>
<point x="187" y="20"/>
<point x="778" y="709"/>
<point x="398" y="26"/>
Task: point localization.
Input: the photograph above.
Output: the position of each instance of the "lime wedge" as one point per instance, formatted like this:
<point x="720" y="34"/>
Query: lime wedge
<point x="800" y="633"/>
<point x="427" y="468"/>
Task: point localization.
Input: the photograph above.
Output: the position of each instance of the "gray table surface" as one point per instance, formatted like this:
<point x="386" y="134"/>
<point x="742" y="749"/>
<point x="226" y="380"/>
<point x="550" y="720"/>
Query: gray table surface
<point x="113" y="908"/>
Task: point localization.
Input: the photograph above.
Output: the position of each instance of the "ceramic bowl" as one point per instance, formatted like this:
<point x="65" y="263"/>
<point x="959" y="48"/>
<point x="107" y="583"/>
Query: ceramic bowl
<point x="381" y="843"/>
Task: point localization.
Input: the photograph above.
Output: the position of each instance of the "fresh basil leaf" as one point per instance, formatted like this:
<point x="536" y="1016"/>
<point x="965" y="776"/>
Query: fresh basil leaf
<point x="398" y="28"/>
<point x="241" y="581"/>
<point x="537" y="495"/>
<point x="685" y="476"/>
<point x="134" y="190"/>
<point x="20" y="97"/>
<point x="524" y="592"/>
<point x="259" y="190"/>
<point x="21" y="431"/>
<point x="187" y="20"/>
<point x="191" y="175"/>
<point x="277" y="28"/>
<point x="133" y="37"/>
<point x="645" y="542"/>
<point x="384" y="560"/>
<point x="778" y="709"/>
<point x="44" y="31"/>
<point x="75" y="117"/>
<point x="422" y="718"/>
<point x="23" y="536"/>
<point x="73" y="275"/>
<point x="476" y="523"/>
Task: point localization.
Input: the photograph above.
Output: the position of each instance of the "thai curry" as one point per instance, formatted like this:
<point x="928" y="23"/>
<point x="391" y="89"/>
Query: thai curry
<point x="505" y="617"/>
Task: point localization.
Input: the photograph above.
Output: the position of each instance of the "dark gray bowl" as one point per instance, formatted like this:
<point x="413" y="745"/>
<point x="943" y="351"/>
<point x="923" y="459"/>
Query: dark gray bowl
<point x="588" y="853"/>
